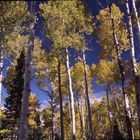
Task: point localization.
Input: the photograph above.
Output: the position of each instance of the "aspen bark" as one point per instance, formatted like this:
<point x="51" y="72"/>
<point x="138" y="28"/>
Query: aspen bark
<point x="80" y="115"/>
<point x="83" y="115"/>
<point x="71" y="96"/>
<point x="125" y="97"/>
<point x="108" y="107"/>
<point x="27" y="76"/>
<point x="133" y="60"/>
<point x="136" y="16"/>
<point x="1" y="67"/>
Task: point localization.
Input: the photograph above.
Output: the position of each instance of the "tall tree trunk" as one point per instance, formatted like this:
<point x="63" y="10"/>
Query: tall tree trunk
<point x="53" y="116"/>
<point x="136" y="16"/>
<point x="61" y="101"/>
<point x="1" y="67"/>
<point x="83" y="107"/>
<point x="27" y="76"/>
<point x="83" y="116"/>
<point x="108" y="107"/>
<point x="90" y="135"/>
<point x="133" y="59"/>
<point x="71" y="96"/>
<point x="125" y="97"/>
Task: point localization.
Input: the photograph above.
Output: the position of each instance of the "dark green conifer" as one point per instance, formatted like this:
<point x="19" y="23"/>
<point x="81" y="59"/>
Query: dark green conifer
<point x="13" y="83"/>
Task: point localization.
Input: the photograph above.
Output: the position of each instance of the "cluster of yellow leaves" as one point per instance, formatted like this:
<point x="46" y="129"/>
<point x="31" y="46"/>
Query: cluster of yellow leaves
<point x="105" y="31"/>
<point x="11" y="70"/>
<point x="77" y="72"/>
<point x="15" y="43"/>
<point x="31" y="120"/>
<point x="5" y="131"/>
<point x="11" y="13"/>
<point x="33" y="100"/>
<point x="138" y="68"/>
<point x="66" y="21"/>
<point x="107" y="72"/>
<point x="40" y="61"/>
<point x="33" y="108"/>
<point x="45" y="64"/>
<point x="1" y="113"/>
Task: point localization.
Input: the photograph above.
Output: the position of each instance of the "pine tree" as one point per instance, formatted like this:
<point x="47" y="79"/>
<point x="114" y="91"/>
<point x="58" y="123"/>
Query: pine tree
<point x="14" y="85"/>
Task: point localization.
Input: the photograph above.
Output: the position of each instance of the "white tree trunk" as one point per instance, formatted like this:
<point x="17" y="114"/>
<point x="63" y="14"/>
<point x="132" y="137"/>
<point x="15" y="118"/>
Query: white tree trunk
<point x="83" y="115"/>
<point x="80" y="114"/>
<point x="1" y="76"/>
<point x="121" y="69"/>
<point x="136" y="16"/>
<point x="133" y="59"/>
<point x="27" y="76"/>
<point x="83" y="107"/>
<point x="1" y="67"/>
<point x="71" y="96"/>
<point x="108" y="108"/>
<point x="127" y="102"/>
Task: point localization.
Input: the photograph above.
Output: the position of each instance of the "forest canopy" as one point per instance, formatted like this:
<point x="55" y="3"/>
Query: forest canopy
<point x="70" y="70"/>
